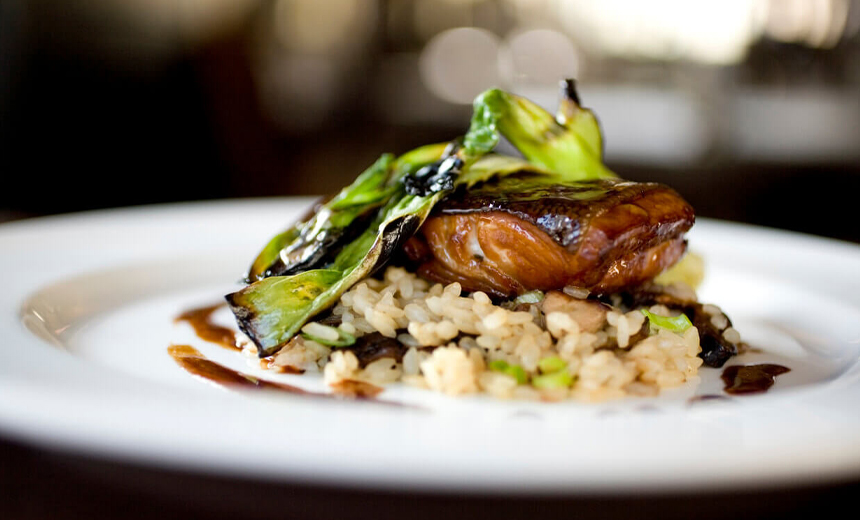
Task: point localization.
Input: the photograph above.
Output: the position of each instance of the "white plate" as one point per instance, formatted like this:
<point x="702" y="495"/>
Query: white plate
<point x="87" y="307"/>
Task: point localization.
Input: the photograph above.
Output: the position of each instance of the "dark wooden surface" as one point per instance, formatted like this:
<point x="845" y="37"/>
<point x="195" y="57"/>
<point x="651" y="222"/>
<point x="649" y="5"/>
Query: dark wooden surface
<point x="37" y="484"/>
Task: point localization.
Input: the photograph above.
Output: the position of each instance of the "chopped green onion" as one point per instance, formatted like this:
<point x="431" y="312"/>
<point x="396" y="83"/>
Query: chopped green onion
<point x="529" y="297"/>
<point x="344" y="339"/>
<point x="677" y="324"/>
<point x="515" y="371"/>
<point x="560" y="379"/>
<point x="551" y="364"/>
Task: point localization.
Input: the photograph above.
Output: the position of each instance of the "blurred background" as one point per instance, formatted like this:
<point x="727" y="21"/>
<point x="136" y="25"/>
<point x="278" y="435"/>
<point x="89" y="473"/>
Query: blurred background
<point x="750" y="108"/>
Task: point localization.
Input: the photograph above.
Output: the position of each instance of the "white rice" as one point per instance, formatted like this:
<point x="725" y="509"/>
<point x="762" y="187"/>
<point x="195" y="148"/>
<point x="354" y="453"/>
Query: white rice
<point x="451" y="338"/>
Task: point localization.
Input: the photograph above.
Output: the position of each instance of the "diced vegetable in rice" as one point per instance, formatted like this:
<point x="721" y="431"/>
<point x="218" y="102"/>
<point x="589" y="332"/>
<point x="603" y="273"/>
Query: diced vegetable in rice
<point x="558" y="347"/>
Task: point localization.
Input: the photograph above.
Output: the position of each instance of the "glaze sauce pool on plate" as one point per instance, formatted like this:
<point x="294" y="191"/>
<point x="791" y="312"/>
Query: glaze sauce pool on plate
<point x="200" y="320"/>
<point x="195" y="363"/>
<point x="751" y="379"/>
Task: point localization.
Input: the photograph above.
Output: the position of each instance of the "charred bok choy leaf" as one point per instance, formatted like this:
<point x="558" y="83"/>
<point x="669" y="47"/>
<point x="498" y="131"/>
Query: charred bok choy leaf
<point x="304" y="270"/>
<point x="309" y="244"/>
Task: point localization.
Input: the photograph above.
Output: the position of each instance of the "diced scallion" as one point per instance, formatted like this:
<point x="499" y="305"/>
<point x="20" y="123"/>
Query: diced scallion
<point x="529" y="297"/>
<point x="551" y="364"/>
<point x="326" y="335"/>
<point x="560" y="379"/>
<point x="677" y="324"/>
<point x="554" y="374"/>
<point x="515" y="371"/>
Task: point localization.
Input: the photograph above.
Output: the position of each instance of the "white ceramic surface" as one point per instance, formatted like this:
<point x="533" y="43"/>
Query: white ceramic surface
<point x="86" y="315"/>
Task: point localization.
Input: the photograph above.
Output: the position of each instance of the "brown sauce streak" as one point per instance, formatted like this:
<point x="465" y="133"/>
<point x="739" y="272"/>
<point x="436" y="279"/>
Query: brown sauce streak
<point x="196" y="364"/>
<point x="751" y="379"/>
<point x="201" y="321"/>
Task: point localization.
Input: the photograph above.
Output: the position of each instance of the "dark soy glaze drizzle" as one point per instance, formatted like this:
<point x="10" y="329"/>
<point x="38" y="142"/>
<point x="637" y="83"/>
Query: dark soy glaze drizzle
<point x="207" y="330"/>
<point x="195" y="363"/>
<point x="751" y="379"/>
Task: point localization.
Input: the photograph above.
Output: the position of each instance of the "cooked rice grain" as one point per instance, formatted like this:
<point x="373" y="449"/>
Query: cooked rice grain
<point x="452" y="337"/>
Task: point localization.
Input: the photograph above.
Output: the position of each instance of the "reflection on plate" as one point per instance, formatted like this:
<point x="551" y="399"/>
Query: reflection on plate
<point x="89" y="316"/>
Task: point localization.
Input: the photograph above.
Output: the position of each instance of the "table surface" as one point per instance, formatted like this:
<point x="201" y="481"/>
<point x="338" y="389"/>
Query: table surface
<point x="41" y="484"/>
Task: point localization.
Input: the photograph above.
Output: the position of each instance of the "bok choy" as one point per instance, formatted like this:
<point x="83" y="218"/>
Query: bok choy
<point x="304" y="270"/>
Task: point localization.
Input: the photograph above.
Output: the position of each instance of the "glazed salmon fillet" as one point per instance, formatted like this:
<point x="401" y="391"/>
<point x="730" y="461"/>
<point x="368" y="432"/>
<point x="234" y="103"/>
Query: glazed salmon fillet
<point x="513" y="236"/>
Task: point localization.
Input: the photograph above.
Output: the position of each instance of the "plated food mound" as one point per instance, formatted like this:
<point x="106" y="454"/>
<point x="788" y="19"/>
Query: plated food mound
<point x="461" y="270"/>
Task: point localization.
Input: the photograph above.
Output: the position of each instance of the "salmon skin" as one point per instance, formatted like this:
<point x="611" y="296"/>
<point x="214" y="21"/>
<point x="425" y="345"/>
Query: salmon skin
<point x="519" y="234"/>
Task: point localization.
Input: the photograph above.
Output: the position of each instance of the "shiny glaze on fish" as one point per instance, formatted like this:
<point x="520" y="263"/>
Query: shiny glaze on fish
<point x="516" y="235"/>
